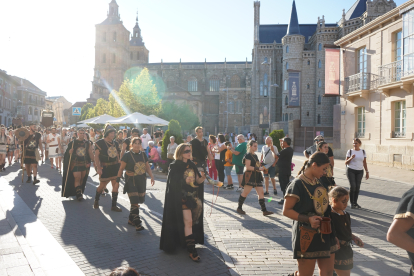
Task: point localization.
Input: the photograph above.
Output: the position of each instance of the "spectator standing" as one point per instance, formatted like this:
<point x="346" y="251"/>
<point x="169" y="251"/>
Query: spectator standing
<point x="159" y="147"/>
<point x="145" y="139"/>
<point x="200" y="150"/>
<point x="356" y="162"/>
<point x="237" y="160"/>
<point x="228" y="165"/>
<point x="314" y="148"/>
<point x="285" y="165"/>
<point x="269" y="158"/>
<point x="220" y="156"/>
<point x="171" y="150"/>
<point x="189" y="138"/>
<point x="212" y="170"/>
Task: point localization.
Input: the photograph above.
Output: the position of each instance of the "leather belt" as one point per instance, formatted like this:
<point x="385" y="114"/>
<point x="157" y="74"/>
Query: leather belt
<point x="109" y="164"/>
<point x="53" y="146"/>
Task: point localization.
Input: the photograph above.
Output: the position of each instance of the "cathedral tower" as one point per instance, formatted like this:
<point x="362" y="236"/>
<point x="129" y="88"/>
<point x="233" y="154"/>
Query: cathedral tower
<point x="138" y="52"/>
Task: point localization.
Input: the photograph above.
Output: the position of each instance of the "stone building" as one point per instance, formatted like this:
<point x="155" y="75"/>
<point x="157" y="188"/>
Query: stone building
<point x="300" y="48"/>
<point x="59" y="104"/>
<point x="237" y="96"/>
<point x="377" y="101"/>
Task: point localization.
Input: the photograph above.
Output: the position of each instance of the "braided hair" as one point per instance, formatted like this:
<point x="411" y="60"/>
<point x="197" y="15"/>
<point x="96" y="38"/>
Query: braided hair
<point x="319" y="158"/>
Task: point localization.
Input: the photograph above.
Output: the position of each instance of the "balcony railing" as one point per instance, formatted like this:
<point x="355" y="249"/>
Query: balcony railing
<point x="398" y="134"/>
<point x="391" y="72"/>
<point x="359" y="82"/>
<point x="360" y="134"/>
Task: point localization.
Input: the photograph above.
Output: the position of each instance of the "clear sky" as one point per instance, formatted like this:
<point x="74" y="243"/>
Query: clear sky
<point x="51" y="43"/>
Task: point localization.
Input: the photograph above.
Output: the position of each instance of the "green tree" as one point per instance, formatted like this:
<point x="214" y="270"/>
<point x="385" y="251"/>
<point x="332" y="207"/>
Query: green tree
<point x="174" y="129"/>
<point x="182" y="113"/>
<point x="84" y="111"/>
<point x="276" y="135"/>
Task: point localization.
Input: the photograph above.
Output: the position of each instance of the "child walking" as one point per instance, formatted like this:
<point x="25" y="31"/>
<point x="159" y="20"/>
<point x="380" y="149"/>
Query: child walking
<point x="341" y="222"/>
<point x="228" y="166"/>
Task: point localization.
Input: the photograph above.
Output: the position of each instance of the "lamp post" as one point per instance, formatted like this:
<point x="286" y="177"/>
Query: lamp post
<point x="270" y="86"/>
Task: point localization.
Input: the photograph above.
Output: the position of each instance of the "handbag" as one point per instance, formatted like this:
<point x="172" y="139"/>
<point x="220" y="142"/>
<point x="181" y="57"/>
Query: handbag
<point x="170" y="156"/>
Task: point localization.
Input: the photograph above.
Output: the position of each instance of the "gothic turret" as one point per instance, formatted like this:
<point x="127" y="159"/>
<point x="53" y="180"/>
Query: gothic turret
<point x="136" y="39"/>
<point x="113" y="9"/>
<point x="293" y="27"/>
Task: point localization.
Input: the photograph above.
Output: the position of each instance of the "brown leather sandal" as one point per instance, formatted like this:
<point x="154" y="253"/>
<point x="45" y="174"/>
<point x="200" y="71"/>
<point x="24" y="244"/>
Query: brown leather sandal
<point x="194" y="257"/>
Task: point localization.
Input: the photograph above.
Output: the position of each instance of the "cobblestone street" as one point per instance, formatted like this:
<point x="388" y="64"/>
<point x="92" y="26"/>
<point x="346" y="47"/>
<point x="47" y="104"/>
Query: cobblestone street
<point x="100" y="240"/>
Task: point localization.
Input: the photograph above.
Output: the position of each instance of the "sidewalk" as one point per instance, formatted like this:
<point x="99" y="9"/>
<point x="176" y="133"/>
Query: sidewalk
<point x="26" y="246"/>
<point x="375" y="171"/>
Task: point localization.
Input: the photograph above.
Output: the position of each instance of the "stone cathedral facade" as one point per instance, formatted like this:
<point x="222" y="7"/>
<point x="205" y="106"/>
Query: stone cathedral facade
<point x="237" y="96"/>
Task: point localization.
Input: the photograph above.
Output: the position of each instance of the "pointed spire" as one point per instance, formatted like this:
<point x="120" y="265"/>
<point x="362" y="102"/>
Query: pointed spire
<point x="137" y="18"/>
<point x="294" y="23"/>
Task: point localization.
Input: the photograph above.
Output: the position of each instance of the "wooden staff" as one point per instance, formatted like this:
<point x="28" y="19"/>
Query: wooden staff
<point x="67" y="171"/>
<point x="23" y="167"/>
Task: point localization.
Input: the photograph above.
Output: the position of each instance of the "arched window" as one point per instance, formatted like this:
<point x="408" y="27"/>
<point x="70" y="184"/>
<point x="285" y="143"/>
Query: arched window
<point x="286" y="100"/>
<point x="265" y="91"/>
<point x="319" y="64"/>
<point x="319" y="83"/>
<point x="291" y="116"/>
<point x="319" y="99"/>
<point x="308" y="62"/>
<point x="286" y="117"/>
<point x="320" y="47"/>
<point x="287" y="65"/>
<point x="319" y="119"/>
<point x="265" y="79"/>
<point x="261" y="88"/>
<point x="308" y="86"/>
<point x="287" y="49"/>
<point x="192" y="84"/>
<point x="283" y="116"/>
<point x="285" y="85"/>
<point x="214" y="84"/>
<point x="235" y="81"/>
<point x="30" y="110"/>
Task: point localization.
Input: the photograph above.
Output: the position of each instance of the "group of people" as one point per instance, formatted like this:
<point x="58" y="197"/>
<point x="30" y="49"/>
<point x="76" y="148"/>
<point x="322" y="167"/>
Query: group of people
<point x="321" y="231"/>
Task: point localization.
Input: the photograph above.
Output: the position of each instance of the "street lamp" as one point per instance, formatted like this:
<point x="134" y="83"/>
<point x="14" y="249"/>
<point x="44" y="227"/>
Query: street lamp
<point x="270" y="86"/>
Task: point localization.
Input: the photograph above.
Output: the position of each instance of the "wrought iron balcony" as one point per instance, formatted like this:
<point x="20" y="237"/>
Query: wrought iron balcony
<point x="391" y="72"/>
<point x="360" y="134"/>
<point x="398" y="134"/>
<point x="359" y="82"/>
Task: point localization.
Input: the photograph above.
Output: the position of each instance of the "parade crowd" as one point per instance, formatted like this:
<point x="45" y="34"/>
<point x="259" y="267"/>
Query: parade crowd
<point x="321" y="229"/>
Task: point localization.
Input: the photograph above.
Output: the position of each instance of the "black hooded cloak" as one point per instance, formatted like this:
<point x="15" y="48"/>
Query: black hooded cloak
<point x="70" y="189"/>
<point x="172" y="232"/>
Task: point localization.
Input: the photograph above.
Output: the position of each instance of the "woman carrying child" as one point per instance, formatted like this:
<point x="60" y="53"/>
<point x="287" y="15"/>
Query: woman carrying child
<point x="341" y="222"/>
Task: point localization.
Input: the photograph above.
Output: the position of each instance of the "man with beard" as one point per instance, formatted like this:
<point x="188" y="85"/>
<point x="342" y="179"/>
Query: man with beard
<point x="127" y="141"/>
<point x="107" y="165"/>
<point x="31" y="145"/>
<point x="76" y="172"/>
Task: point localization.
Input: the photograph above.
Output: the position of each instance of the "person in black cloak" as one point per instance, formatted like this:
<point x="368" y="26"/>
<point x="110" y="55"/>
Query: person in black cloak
<point x="182" y="223"/>
<point x="76" y="173"/>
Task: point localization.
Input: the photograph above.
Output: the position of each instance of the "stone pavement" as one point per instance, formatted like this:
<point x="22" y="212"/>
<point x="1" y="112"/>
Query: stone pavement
<point x="100" y="240"/>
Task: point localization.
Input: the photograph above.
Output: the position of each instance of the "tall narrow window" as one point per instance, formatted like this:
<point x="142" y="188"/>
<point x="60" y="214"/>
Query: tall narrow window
<point x="319" y="83"/>
<point x="231" y="107"/>
<point x="286" y="100"/>
<point x="291" y="116"/>
<point x="137" y="55"/>
<point x="114" y="36"/>
<point x="214" y="84"/>
<point x="192" y="84"/>
<point x="265" y="91"/>
<point x="319" y="99"/>
<point x="408" y="37"/>
<point x="361" y="122"/>
<point x="308" y="62"/>
<point x="261" y="88"/>
<point x="319" y="64"/>
<point x="285" y="85"/>
<point x="362" y="67"/>
<point x="113" y="58"/>
<point x="265" y="79"/>
<point x="398" y="46"/>
<point x="265" y="59"/>
<point x="287" y="49"/>
<point x="319" y="119"/>
<point x="308" y="86"/>
<point x="320" y="47"/>
<point x="399" y="119"/>
<point x="287" y="65"/>
<point x="103" y="58"/>
<point x="104" y="37"/>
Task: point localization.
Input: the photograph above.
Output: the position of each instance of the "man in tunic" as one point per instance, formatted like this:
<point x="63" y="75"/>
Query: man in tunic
<point x="31" y="145"/>
<point x="127" y="141"/>
<point x="107" y="165"/>
<point x="53" y="142"/>
<point x="200" y="149"/>
<point x="75" y="173"/>
<point x="135" y="162"/>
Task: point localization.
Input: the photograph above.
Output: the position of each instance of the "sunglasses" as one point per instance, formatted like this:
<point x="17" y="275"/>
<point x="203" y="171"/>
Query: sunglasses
<point x="187" y="151"/>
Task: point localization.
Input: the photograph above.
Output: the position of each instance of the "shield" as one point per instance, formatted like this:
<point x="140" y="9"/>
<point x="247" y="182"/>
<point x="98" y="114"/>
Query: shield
<point x="22" y="134"/>
<point x="112" y="152"/>
<point x="320" y="200"/>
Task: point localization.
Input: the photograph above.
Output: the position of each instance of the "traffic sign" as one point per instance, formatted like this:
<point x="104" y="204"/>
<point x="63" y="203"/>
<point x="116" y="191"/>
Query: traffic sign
<point x="54" y="119"/>
<point x="76" y="111"/>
